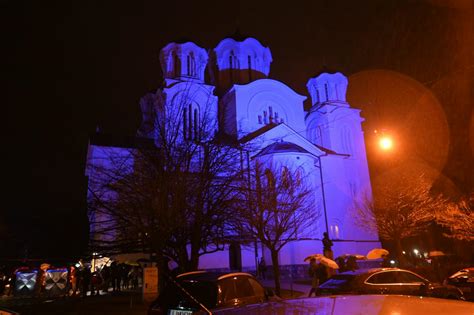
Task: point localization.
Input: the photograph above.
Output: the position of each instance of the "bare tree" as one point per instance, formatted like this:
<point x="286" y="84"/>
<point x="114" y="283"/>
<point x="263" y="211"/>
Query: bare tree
<point x="458" y="218"/>
<point x="169" y="197"/>
<point x="402" y="208"/>
<point x="273" y="206"/>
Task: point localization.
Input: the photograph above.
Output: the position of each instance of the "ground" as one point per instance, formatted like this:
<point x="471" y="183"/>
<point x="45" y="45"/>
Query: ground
<point x="124" y="303"/>
<point x="129" y="303"/>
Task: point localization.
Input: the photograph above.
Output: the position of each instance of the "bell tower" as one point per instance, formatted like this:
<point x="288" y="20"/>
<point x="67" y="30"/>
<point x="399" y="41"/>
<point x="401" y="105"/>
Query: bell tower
<point x="183" y="62"/>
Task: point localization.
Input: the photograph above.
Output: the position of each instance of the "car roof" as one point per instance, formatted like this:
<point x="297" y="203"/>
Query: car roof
<point x="212" y="276"/>
<point x="369" y="270"/>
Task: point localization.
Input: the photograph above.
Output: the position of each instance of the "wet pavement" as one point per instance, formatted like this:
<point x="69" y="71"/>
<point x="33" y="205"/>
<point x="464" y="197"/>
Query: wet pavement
<point x="129" y="303"/>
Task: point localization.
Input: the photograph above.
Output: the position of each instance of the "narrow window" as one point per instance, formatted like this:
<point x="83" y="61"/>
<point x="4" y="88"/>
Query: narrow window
<point x="249" y="63"/>
<point x="185" y="125"/>
<point x="176" y="65"/>
<point x="231" y="67"/>
<point x="260" y="119"/>
<point x="190" y="130"/>
<point x="326" y="90"/>
<point x="188" y="65"/>
<point x="196" y="137"/>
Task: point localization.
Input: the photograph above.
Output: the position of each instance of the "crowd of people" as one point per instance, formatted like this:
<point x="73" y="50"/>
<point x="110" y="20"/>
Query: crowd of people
<point x="116" y="277"/>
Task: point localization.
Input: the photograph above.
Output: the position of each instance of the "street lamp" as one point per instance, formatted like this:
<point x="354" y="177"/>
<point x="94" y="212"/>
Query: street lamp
<point x="385" y="143"/>
<point x="320" y="167"/>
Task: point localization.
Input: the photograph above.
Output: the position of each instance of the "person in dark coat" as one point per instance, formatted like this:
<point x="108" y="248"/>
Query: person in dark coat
<point x="351" y="263"/>
<point x="86" y="280"/>
<point x="115" y="276"/>
<point x="327" y="246"/>
<point x="341" y="262"/>
<point x="318" y="275"/>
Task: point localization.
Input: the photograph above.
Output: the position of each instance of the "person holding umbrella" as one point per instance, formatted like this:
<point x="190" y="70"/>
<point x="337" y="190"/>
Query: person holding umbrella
<point x="317" y="273"/>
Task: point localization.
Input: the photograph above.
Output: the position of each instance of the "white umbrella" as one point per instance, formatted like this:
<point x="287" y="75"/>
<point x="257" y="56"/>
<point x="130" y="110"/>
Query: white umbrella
<point x="328" y="262"/>
<point x="315" y="256"/>
<point x="45" y="266"/>
<point x="357" y="256"/>
<point x="436" y="253"/>
<point x="377" y="253"/>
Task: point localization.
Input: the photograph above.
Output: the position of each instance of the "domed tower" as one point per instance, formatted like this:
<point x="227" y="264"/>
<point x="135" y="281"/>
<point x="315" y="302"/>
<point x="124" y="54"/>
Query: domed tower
<point x="183" y="62"/>
<point x="333" y="124"/>
<point x="239" y="62"/>
<point x="185" y="103"/>
<point x="330" y="118"/>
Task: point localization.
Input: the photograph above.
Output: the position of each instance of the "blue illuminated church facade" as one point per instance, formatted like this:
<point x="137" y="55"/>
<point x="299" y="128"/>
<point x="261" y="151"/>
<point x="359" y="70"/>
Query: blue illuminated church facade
<point x="325" y="140"/>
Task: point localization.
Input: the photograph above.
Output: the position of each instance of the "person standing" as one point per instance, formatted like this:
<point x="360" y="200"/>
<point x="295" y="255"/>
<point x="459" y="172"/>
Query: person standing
<point x="327" y="251"/>
<point x="317" y="272"/>
<point x="86" y="280"/>
<point x="327" y="246"/>
<point x="72" y="280"/>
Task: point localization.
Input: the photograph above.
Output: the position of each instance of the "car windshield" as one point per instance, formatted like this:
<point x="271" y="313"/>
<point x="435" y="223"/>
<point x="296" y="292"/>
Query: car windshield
<point x="337" y="282"/>
<point x="203" y="291"/>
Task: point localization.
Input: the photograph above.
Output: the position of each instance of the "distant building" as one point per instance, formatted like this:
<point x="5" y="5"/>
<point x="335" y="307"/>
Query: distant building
<point x="327" y="141"/>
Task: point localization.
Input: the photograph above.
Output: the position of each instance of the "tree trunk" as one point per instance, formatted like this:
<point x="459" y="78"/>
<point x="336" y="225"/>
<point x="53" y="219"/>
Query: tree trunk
<point x="276" y="271"/>
<point x="399" y="252"/>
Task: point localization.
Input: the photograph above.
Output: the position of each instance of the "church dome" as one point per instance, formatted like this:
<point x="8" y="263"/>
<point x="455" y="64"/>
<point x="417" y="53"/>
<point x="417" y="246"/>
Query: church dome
<point x="247" y="54"/>
<point x="183" y="61"/>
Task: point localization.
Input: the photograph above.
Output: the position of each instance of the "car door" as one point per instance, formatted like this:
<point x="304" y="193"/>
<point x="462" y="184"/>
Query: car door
<point x="412" y="284"/>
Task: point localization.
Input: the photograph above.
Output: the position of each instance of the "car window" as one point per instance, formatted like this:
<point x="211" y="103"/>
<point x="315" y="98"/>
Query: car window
<point x="337" y="282"/>
<point x="408" y="277"/>
<point x="257" y="288"/>
<point x="235" y="288"/>
<point x="383" y="278"/>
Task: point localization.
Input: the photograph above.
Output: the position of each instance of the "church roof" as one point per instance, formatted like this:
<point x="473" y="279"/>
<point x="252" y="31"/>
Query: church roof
<point x="282" y="147"/>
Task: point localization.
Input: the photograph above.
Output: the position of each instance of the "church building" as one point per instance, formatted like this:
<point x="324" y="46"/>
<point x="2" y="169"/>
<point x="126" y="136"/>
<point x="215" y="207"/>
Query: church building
<point x="231" y="83"/>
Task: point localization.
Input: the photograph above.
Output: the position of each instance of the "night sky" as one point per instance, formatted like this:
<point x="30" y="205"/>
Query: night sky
<point x="73" y="66"/>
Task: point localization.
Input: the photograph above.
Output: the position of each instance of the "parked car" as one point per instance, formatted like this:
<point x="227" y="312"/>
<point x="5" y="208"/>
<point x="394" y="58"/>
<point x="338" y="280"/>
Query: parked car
<point x="356" y="304"/>
<point x="387" y="281"/>
<point x="205" y="291"/>
<point x="464" y="280"/>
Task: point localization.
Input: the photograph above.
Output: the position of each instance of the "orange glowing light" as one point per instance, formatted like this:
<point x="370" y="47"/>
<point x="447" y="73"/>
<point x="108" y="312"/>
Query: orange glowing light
<point x="386" y="143"/>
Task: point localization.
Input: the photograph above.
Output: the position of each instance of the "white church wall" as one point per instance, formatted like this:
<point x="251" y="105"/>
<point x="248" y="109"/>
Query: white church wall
<point x="258" y="102"/>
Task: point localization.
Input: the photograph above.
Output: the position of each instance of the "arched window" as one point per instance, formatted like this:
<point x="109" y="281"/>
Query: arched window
<point x="249" y="65"/>
<point x="318" y="135"/>
<point x="286" y="180"/>
<point x="335" y="229"/>
<point x="191" y="127"/>
<point x="190" y="65"/>
<point x="346" y="137"/>
<point x="177" y="70"/>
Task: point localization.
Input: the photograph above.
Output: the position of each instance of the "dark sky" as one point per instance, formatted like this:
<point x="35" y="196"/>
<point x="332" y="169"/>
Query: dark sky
<point x="71" y="66"/>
